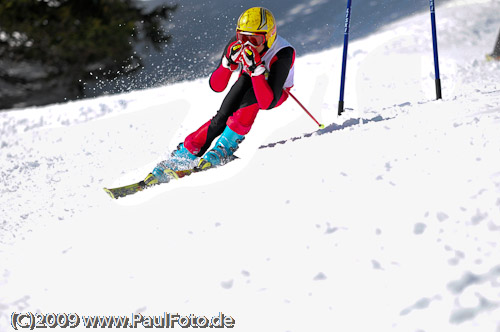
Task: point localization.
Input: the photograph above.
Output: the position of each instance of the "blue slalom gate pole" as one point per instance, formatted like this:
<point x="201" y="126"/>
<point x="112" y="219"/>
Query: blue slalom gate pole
<point x="435" y="47"/>
<point x="344" y="57"/>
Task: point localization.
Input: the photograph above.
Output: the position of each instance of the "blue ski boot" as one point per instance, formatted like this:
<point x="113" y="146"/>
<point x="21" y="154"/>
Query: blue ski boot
<point x="223" y="151"/>
<point x="181" y="159"/>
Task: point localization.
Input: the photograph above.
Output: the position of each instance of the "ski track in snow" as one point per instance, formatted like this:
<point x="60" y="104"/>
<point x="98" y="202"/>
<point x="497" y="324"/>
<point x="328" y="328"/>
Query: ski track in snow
<point x="390" y="223"/>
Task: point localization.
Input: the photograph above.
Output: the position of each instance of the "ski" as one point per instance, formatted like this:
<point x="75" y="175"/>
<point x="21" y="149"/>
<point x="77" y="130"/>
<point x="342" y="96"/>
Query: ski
<point x="151" y="181"/>
<point x="148" y="182"/>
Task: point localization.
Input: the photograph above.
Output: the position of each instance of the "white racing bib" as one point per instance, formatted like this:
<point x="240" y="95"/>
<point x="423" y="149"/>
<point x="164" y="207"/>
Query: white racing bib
<point x="278" y="45"/>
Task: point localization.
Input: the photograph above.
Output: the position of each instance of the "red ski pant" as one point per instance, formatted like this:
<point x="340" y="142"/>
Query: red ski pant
<point x="238" y="111"/>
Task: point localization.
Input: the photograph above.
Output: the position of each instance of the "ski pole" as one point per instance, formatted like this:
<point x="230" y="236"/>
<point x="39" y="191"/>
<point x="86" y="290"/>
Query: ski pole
<point x="344" y="56"/>
<point x="435" y="48"/>
<point x="321" y="126"/>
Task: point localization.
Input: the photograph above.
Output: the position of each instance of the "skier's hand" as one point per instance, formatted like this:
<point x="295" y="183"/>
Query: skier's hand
<point x="232" y="57"/>
<point x="252" y="61"/>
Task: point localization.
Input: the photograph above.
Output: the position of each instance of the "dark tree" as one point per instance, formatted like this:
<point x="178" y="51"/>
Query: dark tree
<point x="50" y="48"/>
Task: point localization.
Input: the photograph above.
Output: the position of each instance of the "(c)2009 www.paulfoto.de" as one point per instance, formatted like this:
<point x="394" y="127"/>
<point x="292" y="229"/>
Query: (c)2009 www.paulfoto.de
<point x="29" y="320"/>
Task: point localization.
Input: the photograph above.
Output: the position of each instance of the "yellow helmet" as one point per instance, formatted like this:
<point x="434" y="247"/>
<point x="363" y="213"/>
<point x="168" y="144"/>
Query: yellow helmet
<point x="258" y="20"/>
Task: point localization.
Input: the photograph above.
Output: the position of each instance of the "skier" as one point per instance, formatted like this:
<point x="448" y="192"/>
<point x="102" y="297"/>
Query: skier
<point x="496" y="51"/>
<point x="265" y="64"/>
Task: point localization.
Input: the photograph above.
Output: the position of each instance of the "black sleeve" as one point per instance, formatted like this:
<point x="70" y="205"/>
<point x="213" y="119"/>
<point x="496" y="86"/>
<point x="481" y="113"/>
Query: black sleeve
<point x="279" y="72"/>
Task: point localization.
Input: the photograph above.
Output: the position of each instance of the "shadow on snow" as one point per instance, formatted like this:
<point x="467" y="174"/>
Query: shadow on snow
<point x="328" y="129"/>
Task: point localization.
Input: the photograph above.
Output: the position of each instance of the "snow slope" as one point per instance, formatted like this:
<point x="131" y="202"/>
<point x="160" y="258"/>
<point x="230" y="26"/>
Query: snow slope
<point x="391" y="223"/>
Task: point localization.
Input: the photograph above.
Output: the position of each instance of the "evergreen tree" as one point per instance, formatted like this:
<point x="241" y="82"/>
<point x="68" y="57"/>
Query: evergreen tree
<point x="49" y="48"/>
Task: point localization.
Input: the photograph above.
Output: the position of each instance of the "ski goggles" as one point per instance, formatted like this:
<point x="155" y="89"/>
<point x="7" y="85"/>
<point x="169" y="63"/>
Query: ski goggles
<point x="256" y="39"/>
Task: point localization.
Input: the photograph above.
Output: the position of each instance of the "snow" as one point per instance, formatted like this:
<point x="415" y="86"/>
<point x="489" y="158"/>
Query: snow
<point x="389" y="223"/>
